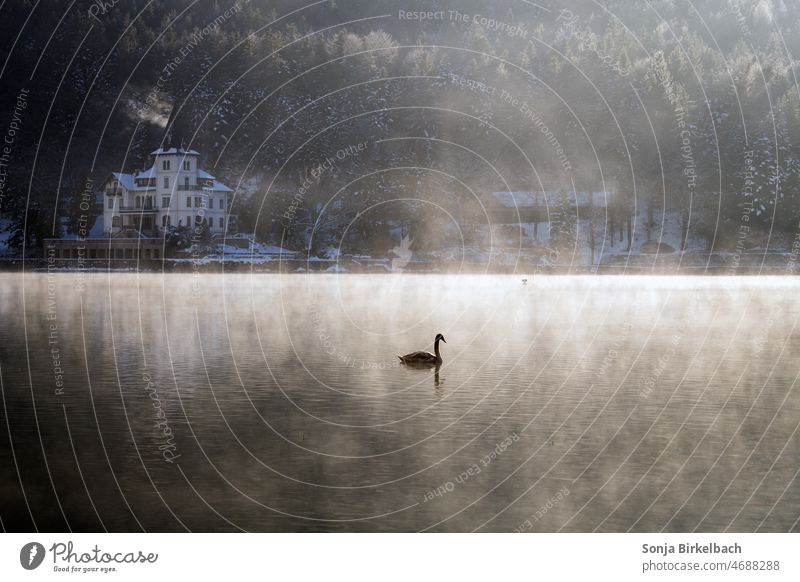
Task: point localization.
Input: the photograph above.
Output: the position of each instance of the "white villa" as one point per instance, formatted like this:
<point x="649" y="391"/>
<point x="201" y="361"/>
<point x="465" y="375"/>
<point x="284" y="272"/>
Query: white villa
<point x="174" y="191"/>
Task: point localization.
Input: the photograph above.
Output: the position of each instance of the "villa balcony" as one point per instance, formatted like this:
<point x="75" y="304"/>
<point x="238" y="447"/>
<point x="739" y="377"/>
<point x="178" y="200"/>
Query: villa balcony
<point x="140" y="210"/>
<point x="195" y="187"/>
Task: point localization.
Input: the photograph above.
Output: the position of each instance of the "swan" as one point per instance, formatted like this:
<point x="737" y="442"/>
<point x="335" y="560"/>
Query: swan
<point x="425" y="357"/>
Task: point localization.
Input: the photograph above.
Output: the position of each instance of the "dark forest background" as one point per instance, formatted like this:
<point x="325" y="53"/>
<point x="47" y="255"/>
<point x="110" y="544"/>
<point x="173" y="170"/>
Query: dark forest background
<point x="269" y="92"/>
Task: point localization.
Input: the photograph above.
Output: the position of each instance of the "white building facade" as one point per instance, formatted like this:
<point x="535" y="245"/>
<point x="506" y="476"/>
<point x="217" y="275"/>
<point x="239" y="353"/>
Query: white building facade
<point x="174" y="191"/>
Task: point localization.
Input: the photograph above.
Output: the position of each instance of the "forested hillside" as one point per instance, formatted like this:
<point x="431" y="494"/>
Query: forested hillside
<point x="692" y="107"/>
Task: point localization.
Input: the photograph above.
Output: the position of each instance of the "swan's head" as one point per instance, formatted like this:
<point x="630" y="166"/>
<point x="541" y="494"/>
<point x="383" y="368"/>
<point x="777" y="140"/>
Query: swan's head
<point x="440" y="337"/>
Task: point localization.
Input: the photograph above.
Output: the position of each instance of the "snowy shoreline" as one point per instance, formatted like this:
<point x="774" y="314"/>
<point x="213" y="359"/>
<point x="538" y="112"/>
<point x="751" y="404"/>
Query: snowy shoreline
<point x="718" y="264"/>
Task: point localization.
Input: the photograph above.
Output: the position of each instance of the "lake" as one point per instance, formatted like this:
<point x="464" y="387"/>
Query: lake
<point x="276" y="403"/>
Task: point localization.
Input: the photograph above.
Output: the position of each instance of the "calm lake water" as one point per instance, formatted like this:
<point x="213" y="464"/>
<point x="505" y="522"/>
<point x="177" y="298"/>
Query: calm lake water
<point x="275" y="403"/>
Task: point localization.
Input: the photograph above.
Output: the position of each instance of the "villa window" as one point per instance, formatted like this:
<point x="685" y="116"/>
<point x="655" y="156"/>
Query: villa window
<point x="116" y="222"/>
<point x="165" y="202"/>
<point x="188" y="202"/>
<point x="220" y="222"/>
<point x="197" y="201"/>
<point x="110" y="203"/>
<point x="186" y="181"/>
<point x="138" y="202"/>
<point x="166" y="181"/>
<point x="165" y="165"/>
<point x="186" y="165"/>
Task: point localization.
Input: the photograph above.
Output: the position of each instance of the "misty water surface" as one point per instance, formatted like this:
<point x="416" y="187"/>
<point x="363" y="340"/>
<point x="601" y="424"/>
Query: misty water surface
<point x="569" y="403"/>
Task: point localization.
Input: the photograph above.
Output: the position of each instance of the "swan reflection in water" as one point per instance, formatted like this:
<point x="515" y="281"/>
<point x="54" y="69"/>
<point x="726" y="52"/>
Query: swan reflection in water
<point x="437" y="381"/>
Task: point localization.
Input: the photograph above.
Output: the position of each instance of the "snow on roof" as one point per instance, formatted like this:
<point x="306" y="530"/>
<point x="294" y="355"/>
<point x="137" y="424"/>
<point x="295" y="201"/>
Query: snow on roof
<point x="584" y="198"/>
<point x="173" y="151"/>
<point x="256" y="249"/>
<point x="522" y="199"/>
<point x="531" y="199"/>
<point x="217" y="186"/>
<point x="97" y="228"/>
<point x="127" y="181"/>
<point x="148" y="173"/>
<point x="220" y="187"/>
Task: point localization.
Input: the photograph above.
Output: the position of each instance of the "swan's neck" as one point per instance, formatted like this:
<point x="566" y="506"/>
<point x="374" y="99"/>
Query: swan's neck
<point x="436" y="349"/>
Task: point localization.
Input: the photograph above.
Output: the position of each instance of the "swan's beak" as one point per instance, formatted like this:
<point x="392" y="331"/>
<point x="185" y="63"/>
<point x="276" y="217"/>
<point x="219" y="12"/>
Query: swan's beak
<point x="444" y="340"/>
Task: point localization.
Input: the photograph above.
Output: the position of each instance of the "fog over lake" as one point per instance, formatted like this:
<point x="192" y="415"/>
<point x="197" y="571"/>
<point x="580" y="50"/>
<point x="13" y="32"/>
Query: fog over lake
<point x="276" y="402"/>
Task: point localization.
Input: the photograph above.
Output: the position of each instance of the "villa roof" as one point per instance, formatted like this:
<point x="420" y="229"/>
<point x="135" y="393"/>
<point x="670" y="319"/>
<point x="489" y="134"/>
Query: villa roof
<point x="521" y="199"/>
<point x="174" y="151"/>
<point x="220" y="187"/>
<point x="534" y="199"/>
<point x="127" y="181"/>
<point x="144" y="174"/>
